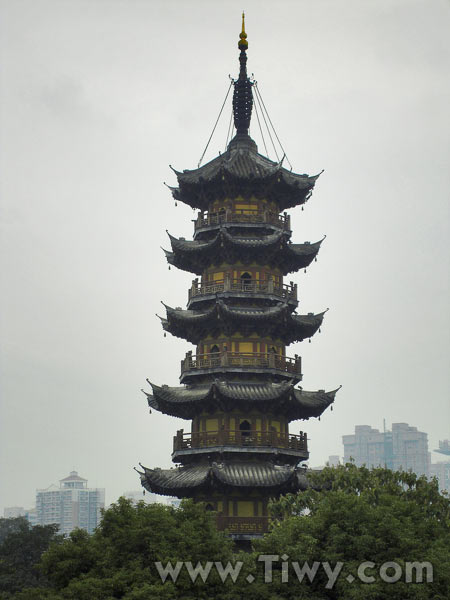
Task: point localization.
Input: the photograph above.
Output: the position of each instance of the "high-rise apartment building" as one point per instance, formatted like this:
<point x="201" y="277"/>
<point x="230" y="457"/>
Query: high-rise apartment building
<point x="444" y="447"/>
<point x="149" y="498"/>
<point x="31" y="516"/>
<point x="70" y="505"/>
<point x="137" y="496"/>
<point x="403" y="448"/>
<point x="441" y="470"/>
<point x="12" y="512"/>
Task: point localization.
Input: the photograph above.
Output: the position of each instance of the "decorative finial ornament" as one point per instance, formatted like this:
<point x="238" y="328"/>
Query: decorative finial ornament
<point x="243" y="44"/>
<point x="242" y="96"/>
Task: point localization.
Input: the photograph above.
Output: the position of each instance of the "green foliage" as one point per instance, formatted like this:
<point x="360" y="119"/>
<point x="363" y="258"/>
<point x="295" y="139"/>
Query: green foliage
<point x="21" y="547"/>
<point x="118" y="560"/>
<point x="350" y="515"/>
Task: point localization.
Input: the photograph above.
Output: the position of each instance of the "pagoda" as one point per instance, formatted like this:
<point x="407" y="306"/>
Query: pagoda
<point x="239" y="388"/>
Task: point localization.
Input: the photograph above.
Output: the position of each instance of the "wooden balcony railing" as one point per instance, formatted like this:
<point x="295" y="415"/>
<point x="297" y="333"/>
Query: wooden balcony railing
<point x="242" y="216"/>
<point x="207" y="439"/>
<point x="243" y="524"/>
<point x="243" y="286"/>
<point x="243" y="360"/>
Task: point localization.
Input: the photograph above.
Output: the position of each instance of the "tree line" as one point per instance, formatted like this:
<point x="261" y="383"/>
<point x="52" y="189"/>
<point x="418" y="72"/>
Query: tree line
<point x="356" y="534"/>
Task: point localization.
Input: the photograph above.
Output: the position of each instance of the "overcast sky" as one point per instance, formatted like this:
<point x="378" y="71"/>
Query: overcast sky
<point x="98" y="97"/>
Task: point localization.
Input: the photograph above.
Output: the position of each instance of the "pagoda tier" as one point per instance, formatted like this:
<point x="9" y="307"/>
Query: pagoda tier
<point x="274" y="321"/>
<point x="240" y="365"/>
<point x="242" y="171"/>
<point x="283" y="398"/>
<point x="256" y="216"/>
<point x="243" y="476"/>
<point x="269" y="292"/>
<point x="274" y="250"/>
<point x="228" y="444"/>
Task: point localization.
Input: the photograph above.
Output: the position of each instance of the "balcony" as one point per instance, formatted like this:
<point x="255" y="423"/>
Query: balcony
<point x="246" y="217"/>
<point x="242" y="439"/>
<point x="216" y="362"/>
<point x="245" y="287"/>
<point x="243" y="525"/>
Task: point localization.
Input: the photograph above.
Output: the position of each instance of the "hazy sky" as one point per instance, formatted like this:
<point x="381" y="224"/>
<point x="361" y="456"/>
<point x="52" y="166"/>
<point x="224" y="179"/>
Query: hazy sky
<point x="98" y="97"/>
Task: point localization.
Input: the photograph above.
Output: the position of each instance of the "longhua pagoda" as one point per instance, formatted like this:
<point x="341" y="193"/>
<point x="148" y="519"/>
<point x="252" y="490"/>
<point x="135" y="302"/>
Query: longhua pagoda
<point x="239" y="388"/>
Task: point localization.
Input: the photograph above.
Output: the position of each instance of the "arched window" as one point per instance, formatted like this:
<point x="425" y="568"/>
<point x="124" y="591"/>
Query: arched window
<point x="246" y="281"/>
<point x="209" y="506"/>
<point x="214" y="356"/>
<point x="245" y="428"/>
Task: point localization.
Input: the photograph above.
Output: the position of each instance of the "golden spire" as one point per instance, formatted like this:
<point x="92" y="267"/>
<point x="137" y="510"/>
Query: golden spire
<point x="243" y="44"/>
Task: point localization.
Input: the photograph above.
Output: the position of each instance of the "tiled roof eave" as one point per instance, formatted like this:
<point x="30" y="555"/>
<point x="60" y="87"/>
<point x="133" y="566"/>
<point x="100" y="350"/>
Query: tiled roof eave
<point x="193" y="325"/>
<point x="243" y="165"/>
<point x="187" y="402"/>
<point x="230" y="475"/>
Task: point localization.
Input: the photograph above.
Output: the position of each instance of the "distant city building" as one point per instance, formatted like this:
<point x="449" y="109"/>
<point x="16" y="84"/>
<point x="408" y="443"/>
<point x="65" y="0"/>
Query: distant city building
<point x="441" y="470"/>
<point x="31" y="516"/>
<point x="149" y="498"/>
<point x="403" y="448"/>
<point x="12" y="512"/>
<point x="70" y="505"/>
<point x="175" y="502"/>
<point x="137" y="496"/>
<point x="333" y="461"/>
<point x="444" y="447"/>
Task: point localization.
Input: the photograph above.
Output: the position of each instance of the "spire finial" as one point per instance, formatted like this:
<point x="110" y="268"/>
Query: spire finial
<point x="243" y="44"/>
<point x="242" y="97"/>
